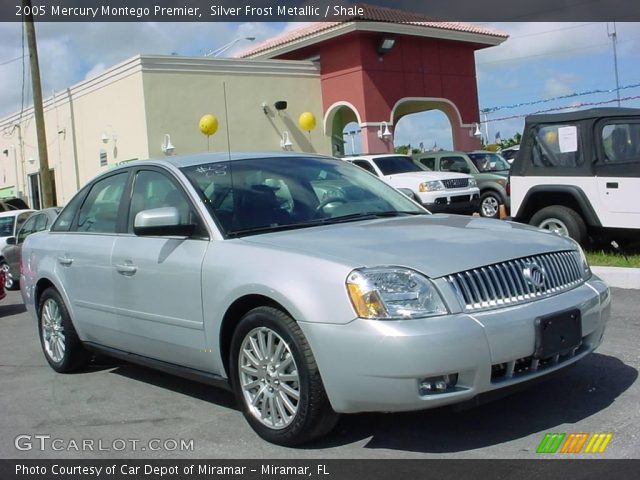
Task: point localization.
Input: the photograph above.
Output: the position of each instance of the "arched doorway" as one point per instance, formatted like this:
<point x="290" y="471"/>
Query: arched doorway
<point x="424" y="131"/>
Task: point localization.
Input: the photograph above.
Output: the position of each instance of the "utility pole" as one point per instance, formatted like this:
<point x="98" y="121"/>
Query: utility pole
<point x="613" y="35"/>
<point x="38" y="109"/>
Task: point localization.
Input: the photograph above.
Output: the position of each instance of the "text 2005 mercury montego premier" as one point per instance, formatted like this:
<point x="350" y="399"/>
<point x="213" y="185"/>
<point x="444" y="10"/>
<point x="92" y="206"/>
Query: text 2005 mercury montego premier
<point x="306" y="285"/>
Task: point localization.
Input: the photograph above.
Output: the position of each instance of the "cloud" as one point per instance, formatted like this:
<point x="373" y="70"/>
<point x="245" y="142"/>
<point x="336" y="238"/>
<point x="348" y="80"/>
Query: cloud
<point x="560" y="85"/>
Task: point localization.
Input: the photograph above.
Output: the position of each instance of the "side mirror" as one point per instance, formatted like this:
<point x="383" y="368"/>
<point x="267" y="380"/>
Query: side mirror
<point x="161" y="222"/>
<point x="11" y="241"/>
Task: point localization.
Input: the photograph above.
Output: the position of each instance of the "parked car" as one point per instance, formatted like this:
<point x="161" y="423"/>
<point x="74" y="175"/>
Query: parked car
<point x="439" y="192"/>
<point x="578" y="174"/>
<point x="10" y="254"/>
<point x="491" y="183"/>
<point x="10" y="223"/>
<point x="509" y="153"/>
<point x="233" y="270"/>
<point x="3" y="293"/>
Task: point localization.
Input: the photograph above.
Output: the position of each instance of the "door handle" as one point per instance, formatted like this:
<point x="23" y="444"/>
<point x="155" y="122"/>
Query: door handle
<point x="612" y="184"/>
<point x="65" y="261"/>
<point x="126" y="269"/>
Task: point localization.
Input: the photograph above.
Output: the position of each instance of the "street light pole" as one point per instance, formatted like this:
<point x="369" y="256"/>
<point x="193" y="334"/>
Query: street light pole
<point x="613" y="35"/>
<point x="216" y="52"/>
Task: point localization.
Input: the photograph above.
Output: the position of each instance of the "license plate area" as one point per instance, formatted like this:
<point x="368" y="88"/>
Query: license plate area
<point x="557" y="334"/>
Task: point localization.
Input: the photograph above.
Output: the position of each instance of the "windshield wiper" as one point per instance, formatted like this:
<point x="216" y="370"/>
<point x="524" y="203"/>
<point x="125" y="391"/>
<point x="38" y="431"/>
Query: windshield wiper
<point x="324" y="221"/>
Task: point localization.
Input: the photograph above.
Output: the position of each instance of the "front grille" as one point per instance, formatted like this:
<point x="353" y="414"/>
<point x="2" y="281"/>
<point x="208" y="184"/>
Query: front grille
<point x="509" y="283"/>
<point x="456" y="183"/>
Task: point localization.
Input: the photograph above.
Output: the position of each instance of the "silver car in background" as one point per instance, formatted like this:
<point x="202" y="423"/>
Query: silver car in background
<point x="307" y="286"/>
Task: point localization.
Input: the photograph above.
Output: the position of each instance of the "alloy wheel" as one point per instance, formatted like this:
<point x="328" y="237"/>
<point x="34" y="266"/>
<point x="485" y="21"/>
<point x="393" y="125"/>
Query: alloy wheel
<point x="269" y="378"/>
<point x="555" y="225"/>
<point x="52" y="330"/>
<point x="490" y="207"/>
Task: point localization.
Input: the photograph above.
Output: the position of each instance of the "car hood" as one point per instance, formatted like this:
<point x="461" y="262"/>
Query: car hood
<point x="435" y="245"/>
<point x="426" y="176"/>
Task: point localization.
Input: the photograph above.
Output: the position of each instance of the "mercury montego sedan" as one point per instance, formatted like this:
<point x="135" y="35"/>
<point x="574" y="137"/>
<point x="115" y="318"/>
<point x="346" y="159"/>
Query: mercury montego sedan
<point x="306" y="285"/>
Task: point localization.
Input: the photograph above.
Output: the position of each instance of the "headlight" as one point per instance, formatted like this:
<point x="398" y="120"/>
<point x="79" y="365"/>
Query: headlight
<point x="389" y="293"/>
<point x="472" y="182"/>
<point x="584" y="263"/>
<point x="432" y="186"/>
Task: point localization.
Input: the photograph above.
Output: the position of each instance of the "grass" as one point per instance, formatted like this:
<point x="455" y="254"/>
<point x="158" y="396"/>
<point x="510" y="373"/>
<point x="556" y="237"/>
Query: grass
<point x="604" y="258"/>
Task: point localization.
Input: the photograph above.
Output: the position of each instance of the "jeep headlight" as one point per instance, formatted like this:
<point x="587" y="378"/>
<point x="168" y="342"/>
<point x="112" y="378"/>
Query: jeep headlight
<point x="432" y="186"/>
<point x="393" y="293"/>
<point x="472" y="182"/>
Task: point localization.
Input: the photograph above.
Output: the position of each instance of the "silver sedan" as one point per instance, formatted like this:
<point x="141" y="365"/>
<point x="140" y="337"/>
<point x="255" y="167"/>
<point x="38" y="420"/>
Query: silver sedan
<point x="307" y="286"/>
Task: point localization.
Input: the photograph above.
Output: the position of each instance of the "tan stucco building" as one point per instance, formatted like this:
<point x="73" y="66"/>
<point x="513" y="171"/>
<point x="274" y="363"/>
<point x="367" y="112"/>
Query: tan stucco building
<point x="136" y="108"/>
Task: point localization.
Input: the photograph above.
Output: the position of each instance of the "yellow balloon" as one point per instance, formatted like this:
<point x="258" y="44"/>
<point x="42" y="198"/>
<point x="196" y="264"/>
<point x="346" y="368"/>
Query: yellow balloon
<point x="208" y="124"/>
<point x="307" y="121"/>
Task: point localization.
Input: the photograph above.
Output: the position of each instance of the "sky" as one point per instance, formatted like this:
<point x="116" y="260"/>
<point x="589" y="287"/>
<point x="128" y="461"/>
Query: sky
<point x="539" y="62"/>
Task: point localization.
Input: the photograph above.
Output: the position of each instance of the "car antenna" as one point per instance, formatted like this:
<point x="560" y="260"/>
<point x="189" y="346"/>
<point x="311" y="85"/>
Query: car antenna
<point x="226" y="115"/>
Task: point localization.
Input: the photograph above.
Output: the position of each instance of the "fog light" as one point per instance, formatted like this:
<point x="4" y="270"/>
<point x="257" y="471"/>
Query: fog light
<point x="440" y="384"/>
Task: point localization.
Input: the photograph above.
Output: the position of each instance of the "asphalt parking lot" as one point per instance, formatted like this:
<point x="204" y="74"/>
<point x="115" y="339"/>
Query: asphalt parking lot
<point x="117" y="405"/>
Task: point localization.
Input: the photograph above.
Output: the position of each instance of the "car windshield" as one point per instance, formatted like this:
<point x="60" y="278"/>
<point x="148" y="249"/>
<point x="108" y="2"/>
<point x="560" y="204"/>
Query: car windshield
<point x="394" y="165"/>
<point x="269" y="194"/>
<point x="489" y="162"/>
<point x="6" y="226"/>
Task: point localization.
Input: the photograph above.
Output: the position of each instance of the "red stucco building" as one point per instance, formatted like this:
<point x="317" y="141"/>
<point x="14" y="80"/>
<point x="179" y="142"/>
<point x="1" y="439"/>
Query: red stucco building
<point x="386" y="64"/>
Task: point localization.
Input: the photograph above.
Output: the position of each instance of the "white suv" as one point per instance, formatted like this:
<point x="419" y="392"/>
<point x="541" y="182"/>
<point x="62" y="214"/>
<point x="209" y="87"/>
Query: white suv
<point x="439" y="192"/>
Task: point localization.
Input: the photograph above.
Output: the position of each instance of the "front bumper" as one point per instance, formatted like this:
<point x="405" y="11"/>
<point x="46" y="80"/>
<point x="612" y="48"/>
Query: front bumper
<point x="370" y="365"/>
<point x="462" y="204"/>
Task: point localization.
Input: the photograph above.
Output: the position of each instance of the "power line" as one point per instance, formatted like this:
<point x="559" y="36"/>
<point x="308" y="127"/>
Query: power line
<point x="555" y="109"/>
<point x="551" y="31"/>
<point x="559" y="97"/>
<point x="6" y="62"/>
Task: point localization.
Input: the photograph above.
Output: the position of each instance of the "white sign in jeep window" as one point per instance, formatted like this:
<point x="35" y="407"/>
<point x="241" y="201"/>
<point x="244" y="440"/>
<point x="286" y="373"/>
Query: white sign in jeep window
<point x="568" y="139"/>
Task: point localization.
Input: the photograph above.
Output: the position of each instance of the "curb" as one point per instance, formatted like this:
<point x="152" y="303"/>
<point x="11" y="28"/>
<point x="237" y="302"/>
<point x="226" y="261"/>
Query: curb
<point x="619" y="277"/>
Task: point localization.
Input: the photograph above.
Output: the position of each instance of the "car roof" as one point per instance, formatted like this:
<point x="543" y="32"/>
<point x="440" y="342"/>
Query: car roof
<point x="441" y="153"/>
<point x="13" y="213"/>
<point x="373" y="156"/>
<point x="583" y="115"/>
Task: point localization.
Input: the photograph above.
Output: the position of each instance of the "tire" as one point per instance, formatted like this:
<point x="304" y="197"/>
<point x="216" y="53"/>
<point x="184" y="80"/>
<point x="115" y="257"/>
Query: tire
<point x="490" y="205"/>
<point x="562" y="220"/>
<point x="10" y="283"/>
<point x="60" y="343"/>
<point x="268" y="400"/>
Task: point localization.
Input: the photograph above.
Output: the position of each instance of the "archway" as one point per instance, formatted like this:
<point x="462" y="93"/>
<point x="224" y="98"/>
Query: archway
<point x="425" y="130"/>
<point x="462" y="134"/>
<point x="339" y="116"/>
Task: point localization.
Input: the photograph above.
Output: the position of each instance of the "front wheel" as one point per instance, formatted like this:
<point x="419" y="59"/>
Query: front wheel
<point x="561" y="220"/>
<point x="60" y="343"/>
<point x="490" y="205"/>
<point x="276" y="379"/>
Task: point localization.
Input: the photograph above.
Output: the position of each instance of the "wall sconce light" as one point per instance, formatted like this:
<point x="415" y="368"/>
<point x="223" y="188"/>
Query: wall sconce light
<point x="167" y="146"/>
<point x="280" y="105"/>
<point x="285" y="142"/>
<point x="475" y="132"/>
<point x="384" y="133"/>
<point x="31" y="160"/>
<point x="6" y="152"/>
<point x="386" y="45"/>
<point x="104" y="138"/>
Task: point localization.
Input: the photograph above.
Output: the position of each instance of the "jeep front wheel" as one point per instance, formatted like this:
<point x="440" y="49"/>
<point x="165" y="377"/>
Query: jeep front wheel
<point x="561" y="220"/>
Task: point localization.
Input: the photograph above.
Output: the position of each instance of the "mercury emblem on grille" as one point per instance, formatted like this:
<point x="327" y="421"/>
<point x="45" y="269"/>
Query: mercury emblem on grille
<point x="534" y="274"/>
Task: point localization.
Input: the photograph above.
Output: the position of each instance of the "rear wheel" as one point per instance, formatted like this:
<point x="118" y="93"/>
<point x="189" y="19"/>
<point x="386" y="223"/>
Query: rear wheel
<point x="60" y="343"/>
<point x="276" y="379"/>
<point x="561" y="220"/>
